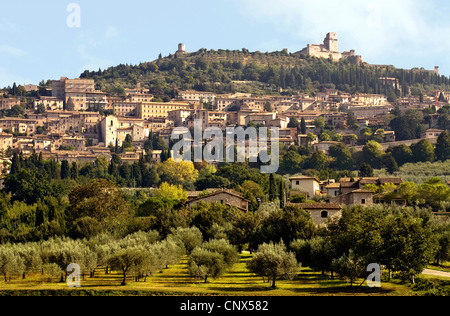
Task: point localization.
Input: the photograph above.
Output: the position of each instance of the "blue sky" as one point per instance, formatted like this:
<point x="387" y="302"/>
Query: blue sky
<point x="37" y="44"/>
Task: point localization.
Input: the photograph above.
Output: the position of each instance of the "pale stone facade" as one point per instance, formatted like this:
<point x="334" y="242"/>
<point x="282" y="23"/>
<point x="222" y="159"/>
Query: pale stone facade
<point x="226" y="197"/>
<point x="8" y="103"/>
<point x="307" y="185"/>
<point x="329" y="49"/>
<point x="321" y="213"/>
<point x="18" y="125"/>
<point x="146" y="110"/>
<point x="198" y="96"/>
<point x="49" y="103"/>
<point x="64" y="85"/>
<point x="6" y="140"/>
<point x="356" y="197"/>
<point x="115" y="129"/>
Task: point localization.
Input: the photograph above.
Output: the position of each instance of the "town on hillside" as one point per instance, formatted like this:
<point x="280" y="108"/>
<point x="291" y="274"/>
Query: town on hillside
<point x="72" y="121"/>
<point x="90" y="179"/>
<point x="79" y="123"/>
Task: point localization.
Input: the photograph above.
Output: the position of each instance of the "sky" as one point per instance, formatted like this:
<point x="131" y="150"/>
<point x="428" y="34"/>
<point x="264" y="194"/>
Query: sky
<point x="49" y="39"/>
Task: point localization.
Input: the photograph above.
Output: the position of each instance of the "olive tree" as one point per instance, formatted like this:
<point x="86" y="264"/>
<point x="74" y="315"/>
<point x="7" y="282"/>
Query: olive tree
<point x="349" y="266"/>
<point x="212" y="259"/>
<point x="10" y="262"/>
<point x="188" y="238"/>
<point x="125" y="259"/>
<point x="30" y="253"/>
<point x="205" y="263"/>
<point x="273" y="261"/>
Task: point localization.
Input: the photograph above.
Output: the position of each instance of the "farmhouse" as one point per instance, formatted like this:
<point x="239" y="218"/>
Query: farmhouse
<point x="222" y="196"/>
<point x="321" y="212"/>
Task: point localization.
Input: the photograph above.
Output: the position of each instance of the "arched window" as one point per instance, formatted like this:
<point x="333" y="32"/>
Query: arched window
<point x="324" y="214"/>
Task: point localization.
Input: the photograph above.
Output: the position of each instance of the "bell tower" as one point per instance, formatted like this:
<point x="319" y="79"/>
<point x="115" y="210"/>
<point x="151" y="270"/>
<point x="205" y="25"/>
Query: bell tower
<point x="331" y="42"/>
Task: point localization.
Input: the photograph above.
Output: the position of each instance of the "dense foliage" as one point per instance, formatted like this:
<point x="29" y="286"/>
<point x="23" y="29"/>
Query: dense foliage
<point x="263" y="72"/>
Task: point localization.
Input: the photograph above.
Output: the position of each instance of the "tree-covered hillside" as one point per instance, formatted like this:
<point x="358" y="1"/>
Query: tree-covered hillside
<point x="225" y="71"/>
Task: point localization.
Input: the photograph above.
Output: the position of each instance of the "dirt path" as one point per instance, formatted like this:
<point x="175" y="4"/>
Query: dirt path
<point x="437" y="273"/>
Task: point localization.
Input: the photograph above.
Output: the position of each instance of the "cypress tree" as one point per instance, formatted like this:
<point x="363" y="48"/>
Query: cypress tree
<point x="282" y="194"/>
<point x="272" y="188"/>
<point x="65" y="170"/>
<point x="40" y="217"/>
<point x="74" y="171"/>
<point x="303" y="126"/>
<point x="442" y="150"/>
<point x="16" y="164"/>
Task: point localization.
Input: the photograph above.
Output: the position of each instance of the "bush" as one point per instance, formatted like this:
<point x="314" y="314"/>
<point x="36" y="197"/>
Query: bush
<point x="298" y="198"/>
<point x="85" y="227"/>
<point x="432" y="287"/>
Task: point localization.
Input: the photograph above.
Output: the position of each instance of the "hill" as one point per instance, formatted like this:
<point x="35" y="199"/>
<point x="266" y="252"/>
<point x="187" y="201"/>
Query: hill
<point x="226" y="71"/>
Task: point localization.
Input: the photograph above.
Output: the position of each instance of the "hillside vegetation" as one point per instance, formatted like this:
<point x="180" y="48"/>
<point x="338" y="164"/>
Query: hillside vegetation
<point x="420" y="172"/>
<point x="225" y="71"/>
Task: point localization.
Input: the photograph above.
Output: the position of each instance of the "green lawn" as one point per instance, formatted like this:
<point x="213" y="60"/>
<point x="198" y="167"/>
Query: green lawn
<point x="175" y="281"/>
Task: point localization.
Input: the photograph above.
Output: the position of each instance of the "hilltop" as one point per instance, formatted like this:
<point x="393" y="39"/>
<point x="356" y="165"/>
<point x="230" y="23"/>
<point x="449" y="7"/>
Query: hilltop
<point x="225" y="71"/>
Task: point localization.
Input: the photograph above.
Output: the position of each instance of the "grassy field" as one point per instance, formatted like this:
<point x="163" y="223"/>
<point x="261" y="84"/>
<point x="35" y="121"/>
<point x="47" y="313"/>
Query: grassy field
<point x="419" y="172"/>
<point x="175" y="281"/>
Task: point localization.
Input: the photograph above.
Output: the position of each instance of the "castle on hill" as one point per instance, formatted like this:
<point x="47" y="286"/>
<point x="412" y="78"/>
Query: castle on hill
<point x="330" y="48"/>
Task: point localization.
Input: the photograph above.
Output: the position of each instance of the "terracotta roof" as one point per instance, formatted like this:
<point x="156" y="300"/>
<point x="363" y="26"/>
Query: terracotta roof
<point x="303" y="178"/>
<point x="319" y="206"/>
<point x="361" y="191"/>
<point x="349" y="184"/>
<point x="369" y="181"/>
<point x="219" y="191"/>
<point x="391" y="180"/>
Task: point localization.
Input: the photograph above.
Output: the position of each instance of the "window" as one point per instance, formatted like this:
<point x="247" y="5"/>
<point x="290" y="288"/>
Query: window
<point x="363" y="201"/>
<point x="324" y="214"/>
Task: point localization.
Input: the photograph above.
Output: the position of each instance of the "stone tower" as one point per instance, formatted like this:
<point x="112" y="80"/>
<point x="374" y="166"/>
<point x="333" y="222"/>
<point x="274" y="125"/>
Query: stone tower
<point x="331" y="42"/>
<point x="181" y="49"/>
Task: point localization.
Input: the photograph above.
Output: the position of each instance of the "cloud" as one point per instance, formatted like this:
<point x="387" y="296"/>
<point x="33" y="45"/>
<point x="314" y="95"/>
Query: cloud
<point x="400" y="28"/>
<point x="109" y="34"/>
<point x="7" y="78"/>
<point x="12" y="51"/>
<point x="91" y="45"/>
<point x="91" y="62"/>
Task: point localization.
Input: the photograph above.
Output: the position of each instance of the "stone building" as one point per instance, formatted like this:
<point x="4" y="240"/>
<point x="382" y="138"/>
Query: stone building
<point x="146" y="110"/>
<point x="226" y="197"/>
<point x="181" y="49"/>
<point x="115" y="129"/>
<point x="356" y="197"/>
<point x="6" y="141"/>
<point x="8" y="103"/>
<point x="330" y="49"/>
<point x="49" y="103"/>
<point x="305" y="185"/>
<point x="321" y="213"/>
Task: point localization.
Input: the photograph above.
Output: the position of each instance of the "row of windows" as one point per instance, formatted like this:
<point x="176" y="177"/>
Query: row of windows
<point x="154" y="111"/>
<point x="175" y="107"/>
